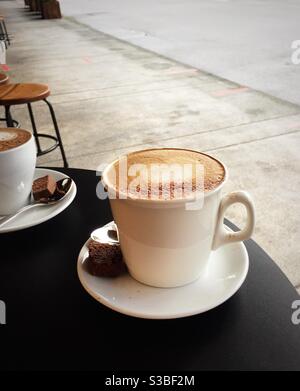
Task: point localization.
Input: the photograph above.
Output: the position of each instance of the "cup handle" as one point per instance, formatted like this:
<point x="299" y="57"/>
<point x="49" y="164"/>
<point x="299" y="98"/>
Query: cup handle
<point x="222" y="236"/>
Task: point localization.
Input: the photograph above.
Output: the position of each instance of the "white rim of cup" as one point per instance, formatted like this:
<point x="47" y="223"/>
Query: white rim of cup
<point x="108" y="185"/>
<point x="19" y="146"/>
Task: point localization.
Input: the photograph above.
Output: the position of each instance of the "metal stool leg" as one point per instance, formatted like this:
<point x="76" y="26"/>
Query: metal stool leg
<point x="38" y="146"/>
<point x="2" y="35"/>
<point x="5" y="32"/>
<point x="9" y="120"/>
<point x="57" y="133"/>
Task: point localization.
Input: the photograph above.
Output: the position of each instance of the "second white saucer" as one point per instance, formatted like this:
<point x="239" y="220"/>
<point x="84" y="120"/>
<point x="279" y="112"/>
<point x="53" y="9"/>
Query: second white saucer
<point x="39" y="215"/>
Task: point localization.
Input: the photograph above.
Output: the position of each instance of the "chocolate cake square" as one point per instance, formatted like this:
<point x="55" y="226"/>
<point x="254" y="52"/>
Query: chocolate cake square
<point x="105" y="260"/>
<point x="43" y="188"/>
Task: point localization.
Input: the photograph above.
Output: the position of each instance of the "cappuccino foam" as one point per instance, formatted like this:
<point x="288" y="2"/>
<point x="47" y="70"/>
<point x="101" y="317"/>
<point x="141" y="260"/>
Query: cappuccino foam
<point x="181" y="183"/>
<point x="12" y="138"/>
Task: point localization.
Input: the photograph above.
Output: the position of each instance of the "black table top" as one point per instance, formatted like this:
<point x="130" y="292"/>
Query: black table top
<point x="52" y="323"/>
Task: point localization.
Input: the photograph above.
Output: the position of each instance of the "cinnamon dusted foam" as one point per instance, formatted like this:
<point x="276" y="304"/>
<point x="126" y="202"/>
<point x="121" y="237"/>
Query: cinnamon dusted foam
<point x="167" y="173"/>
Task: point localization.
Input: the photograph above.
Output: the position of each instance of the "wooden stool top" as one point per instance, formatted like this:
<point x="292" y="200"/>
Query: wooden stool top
<point x="16" y="94"/>
<point x="3" y="79"/>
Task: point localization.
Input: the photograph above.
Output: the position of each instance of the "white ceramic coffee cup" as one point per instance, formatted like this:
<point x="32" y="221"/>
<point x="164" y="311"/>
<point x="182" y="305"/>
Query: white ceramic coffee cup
<point x="165" y="244"/>
<point x="17" y="167"/>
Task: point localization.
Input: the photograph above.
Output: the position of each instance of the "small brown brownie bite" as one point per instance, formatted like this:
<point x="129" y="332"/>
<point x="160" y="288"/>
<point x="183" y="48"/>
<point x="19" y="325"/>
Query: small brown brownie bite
<point x="105" y="260"/>
<point x="43" y="188"/>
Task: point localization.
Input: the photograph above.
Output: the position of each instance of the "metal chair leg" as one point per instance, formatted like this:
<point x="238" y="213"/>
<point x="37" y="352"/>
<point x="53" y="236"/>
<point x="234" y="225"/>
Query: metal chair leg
<point x="2" y="35"/>
<point x="8" y="118"/>
<point x="10" y="122"/>
<point x="35" y="133"/>
<point x="5" y="32"/>
<point x="57" y="133"/>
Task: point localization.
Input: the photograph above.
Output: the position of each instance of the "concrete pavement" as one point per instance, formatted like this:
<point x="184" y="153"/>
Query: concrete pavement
<point x="246" y="41"/>
<point x="111" y="97"/>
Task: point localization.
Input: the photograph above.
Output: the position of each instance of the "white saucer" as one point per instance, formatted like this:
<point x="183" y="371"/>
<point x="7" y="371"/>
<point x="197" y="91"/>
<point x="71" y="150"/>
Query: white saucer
<point x="38" y="215"/>
<point x="227" y="271"/>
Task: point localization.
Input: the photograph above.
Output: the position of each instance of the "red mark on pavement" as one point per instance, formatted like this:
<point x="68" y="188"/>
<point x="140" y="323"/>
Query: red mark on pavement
<point x="5" y="67"/>
<point x="87" y="60"/>
<point x="294" y="125"/>
<point x="230" y="91"/>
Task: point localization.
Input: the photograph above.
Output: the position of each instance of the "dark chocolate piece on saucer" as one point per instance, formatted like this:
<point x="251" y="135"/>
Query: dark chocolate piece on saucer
<point x="43" y="188"/>
<point x="62" y="187"/>
<point x="105" y="260"/>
